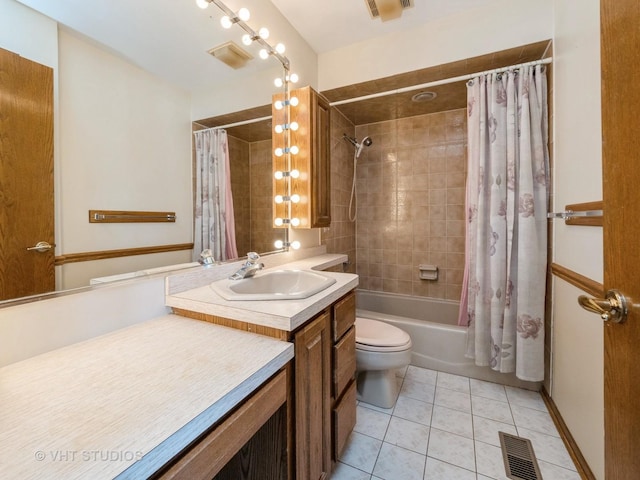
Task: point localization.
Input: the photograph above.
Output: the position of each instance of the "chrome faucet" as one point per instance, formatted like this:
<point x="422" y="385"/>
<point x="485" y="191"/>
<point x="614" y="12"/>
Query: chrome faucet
<point x="206" y="258"/>
<point x="250" y="267"/>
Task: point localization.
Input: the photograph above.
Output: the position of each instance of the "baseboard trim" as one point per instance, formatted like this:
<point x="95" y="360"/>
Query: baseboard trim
<point x="572" y="447"/>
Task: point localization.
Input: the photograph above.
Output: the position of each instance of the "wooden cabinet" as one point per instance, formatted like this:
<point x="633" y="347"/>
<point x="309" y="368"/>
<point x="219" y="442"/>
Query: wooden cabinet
<point x="322" y="403"/>
<point x="312" y="398"/>
<point x="313" y="160"/>
<point x="343" y="398"/>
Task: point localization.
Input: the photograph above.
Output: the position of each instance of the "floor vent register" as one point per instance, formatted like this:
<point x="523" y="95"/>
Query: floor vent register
<point x="519" y="459"/>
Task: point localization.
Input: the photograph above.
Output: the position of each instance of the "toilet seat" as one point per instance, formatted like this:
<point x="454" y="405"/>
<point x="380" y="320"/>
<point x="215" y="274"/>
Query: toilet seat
<point x="376" y="336"/>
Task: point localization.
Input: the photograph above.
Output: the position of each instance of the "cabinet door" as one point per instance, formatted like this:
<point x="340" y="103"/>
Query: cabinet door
<point x="320" y="162"/>
<point x="313" y="397"/>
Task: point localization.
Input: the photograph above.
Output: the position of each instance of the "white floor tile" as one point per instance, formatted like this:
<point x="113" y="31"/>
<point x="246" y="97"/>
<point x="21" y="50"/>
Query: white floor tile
<point x="535" y="420"/>
<point x="453" y="382"/>
<point x="410" y="435"/>
<point x="485" y="430"/>
<point x="361" y="452"/>
<point x="415" y="389"/>
<point x="451" y="448"/>
<point x="490" y="390"/>
<point x="395" y="462"/>
<point x="492" y="409"/>
<point x="452" y="421"/>
<point x="489" y="461"/>
<point x="554" y="472"/>
<point x="525" y="398"/>
<point x="371" y="422"/>
<point x="437" y="470"/>
<point x="388" y="411"/>
<point x="346" y="472"/>
<point x="549" y="448"/>
<point x="452" y="399"/>
<point x="414" y="410"/>
<point x="421" y="375"/>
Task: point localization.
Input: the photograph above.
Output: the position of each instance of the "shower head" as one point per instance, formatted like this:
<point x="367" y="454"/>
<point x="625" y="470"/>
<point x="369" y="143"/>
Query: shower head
<point x="366" y="142"/>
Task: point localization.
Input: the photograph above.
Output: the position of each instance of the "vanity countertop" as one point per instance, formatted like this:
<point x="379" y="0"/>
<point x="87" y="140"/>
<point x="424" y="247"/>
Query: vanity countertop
<point x="285" y="315"/>
<point x="123" y="404"/>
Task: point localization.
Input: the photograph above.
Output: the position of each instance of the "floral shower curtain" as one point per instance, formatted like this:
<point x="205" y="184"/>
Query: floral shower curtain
<point x="503" y="299"/>
<point x="214" y="220"/>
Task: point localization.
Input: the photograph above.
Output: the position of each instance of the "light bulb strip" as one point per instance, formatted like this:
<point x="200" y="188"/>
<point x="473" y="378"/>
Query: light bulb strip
<point x="261" y="41"/>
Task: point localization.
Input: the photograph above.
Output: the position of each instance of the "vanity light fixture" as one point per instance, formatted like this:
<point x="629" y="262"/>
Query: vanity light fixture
<point x="279" y="104"/>
<point x="286" y="126"/>
<point x="293" y="150"/>
<point x="279" y="175"/>
<point x="295" y="198"/>
<point x="294" y="222"/>
<point x="280" y="244"/>
<point x="292" y="78"/>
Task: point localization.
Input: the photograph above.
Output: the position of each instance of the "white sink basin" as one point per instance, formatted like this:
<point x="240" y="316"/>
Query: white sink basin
<point x="276" y="285"/>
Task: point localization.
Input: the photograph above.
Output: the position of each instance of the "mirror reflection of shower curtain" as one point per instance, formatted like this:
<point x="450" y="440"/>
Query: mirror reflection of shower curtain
<point x="214" y="227"/>
<point x="503" y="298"/>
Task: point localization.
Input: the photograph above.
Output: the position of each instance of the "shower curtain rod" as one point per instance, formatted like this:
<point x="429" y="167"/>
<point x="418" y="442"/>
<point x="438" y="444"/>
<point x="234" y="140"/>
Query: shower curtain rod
<point x="444" y="81"/>
<point x="235" y="124"/>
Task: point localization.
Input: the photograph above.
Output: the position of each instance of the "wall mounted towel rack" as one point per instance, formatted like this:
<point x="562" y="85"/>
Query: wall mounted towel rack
<point x="588" y="214"/>
<point x="123" y="216"/>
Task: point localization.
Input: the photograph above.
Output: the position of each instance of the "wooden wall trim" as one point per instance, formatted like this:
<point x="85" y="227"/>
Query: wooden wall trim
<point x="572" y="447"/>
<point x="585" y="284"/>
<point x="125" y="252"/>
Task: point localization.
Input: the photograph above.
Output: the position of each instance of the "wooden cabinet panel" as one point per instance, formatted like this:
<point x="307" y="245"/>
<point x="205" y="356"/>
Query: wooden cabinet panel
<point x="344" y="361"/>
<point x="344" y="315"/>
<point x="344" y="419"/>
<point x="210" y="455"/>
<point x="312" y="399"/>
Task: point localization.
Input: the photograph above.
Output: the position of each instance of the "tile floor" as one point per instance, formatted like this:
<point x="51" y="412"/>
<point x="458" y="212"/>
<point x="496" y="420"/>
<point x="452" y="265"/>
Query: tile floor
<point x="445" y="427"/>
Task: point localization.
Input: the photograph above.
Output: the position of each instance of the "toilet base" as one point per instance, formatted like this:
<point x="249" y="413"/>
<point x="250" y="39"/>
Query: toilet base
<point x="378" y="387"/>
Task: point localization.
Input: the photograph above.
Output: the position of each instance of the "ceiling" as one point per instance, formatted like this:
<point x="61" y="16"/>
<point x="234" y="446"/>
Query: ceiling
<point x="170" y="38"/>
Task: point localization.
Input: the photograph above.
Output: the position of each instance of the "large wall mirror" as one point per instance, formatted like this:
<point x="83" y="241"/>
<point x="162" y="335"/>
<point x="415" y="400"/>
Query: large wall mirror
<point x="103" y="97"/>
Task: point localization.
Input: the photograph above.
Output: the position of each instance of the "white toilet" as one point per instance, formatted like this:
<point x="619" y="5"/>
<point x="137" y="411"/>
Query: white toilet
<point x="381" y="349"/>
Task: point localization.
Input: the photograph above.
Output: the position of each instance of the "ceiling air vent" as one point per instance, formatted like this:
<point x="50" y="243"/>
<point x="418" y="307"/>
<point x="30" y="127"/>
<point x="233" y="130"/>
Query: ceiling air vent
<point x="231" y="54"/>
<point x="387" y="9"/>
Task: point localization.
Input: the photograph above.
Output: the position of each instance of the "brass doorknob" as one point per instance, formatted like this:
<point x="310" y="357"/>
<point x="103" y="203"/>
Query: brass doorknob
<point x="613" y="307"/>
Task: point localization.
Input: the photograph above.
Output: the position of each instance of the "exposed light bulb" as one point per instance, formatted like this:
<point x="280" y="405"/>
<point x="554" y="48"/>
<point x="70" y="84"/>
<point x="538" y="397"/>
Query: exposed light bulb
<point x="294" y="150"/>
<point x="278" y="175"/>
<point x="278" y="199"/>
<point x="278" y="128"/>
<point x="244" y="14"/>
<point x="295" y="222"/>
<point x="278" y="151"/>
<point x="226" y="22"/>
<point x="294" y="173"/>
<point x="278" y="244"/>
<point x="295" y="244"/>
<point x="278" y="82"/>
<point x="295" y="198"/>
<point x="202" y="3"/>
<point x="293" y="78"/>
<point x="278" y="222"/>
<point x="293" y="126"/>
<point x="246" y="39"/>
<point x="293" y="101"/>
<point x="280" y="48"/>
<point x="278" y="105"/>
<point x="264" y="33"/>
<point x="264" y="54"/>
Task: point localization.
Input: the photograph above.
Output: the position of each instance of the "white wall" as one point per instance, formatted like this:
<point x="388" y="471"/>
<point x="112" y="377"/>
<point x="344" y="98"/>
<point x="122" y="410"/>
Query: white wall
<point x="577" y="365"/>
<point x="501" y="25"/>
<point x="124" y="144"/>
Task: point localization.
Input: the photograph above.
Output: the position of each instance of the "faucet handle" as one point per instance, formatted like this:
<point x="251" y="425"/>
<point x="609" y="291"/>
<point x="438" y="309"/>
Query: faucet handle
<point x="252" y="257"/>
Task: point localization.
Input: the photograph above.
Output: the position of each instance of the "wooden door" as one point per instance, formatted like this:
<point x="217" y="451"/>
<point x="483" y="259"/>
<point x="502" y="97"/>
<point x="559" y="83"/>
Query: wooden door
<point x="620" y="56"/>
<point x="26" y="176"/>
<point x="313" y="399"/>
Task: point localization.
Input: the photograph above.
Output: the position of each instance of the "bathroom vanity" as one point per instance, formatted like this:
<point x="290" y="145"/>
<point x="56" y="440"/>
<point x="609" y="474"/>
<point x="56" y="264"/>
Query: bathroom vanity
<point x="322" y="384"/>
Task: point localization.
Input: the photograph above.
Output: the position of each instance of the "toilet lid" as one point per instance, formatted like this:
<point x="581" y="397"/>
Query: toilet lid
<point x="380" y="334"/>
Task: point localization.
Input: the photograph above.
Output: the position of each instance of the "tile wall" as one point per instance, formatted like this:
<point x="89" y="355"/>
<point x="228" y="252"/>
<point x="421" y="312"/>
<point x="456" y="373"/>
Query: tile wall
<point x="410" y="197"/>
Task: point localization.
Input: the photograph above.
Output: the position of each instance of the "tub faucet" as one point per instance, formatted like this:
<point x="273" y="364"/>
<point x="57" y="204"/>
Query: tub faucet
<point x="250" y="267"/>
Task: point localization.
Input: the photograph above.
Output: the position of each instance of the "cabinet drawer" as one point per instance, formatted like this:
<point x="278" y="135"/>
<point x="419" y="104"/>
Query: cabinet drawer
<point x="344" y="419"/>
<point x="344" y="361"/>
<point x="344" y="315"/>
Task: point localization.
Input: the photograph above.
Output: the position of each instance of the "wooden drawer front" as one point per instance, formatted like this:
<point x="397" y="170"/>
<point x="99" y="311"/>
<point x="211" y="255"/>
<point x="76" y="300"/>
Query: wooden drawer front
<point x="344" y="419"/>
<point x="344" y="315"/>
<point x="344" y="361"/>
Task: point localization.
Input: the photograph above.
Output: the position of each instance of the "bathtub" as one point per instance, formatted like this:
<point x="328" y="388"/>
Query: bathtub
<point x="438" y="342"/>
